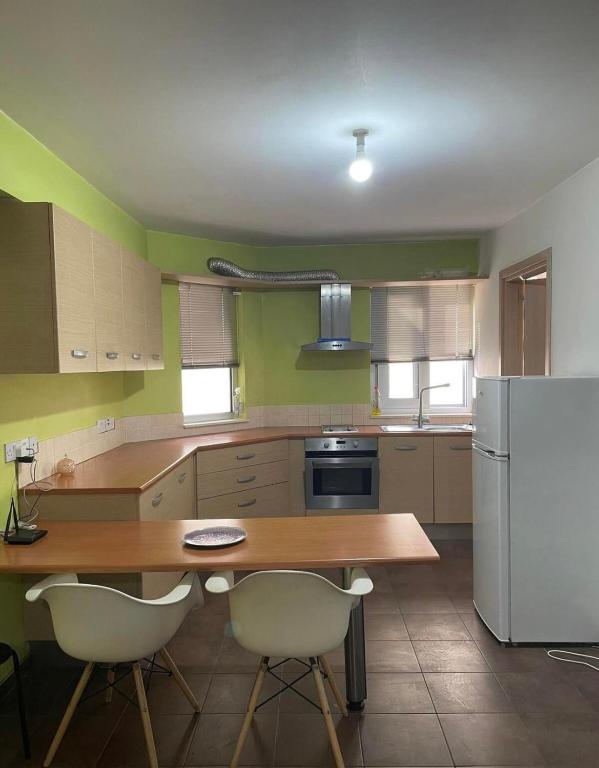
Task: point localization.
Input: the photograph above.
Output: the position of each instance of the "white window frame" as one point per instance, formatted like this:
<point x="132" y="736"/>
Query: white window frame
<point x="390" y="406"/>
<point x="208" y="418"/>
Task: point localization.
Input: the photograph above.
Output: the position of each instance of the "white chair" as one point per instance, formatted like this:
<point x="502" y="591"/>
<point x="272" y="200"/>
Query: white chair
<point x="101" y="625"/>
<point x="291" y="614"/>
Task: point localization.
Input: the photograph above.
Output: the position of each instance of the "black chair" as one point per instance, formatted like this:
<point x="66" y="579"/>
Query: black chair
<point x="6" y="653"/>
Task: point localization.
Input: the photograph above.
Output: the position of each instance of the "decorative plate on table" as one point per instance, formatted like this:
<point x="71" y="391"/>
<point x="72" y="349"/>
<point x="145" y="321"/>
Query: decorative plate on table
<point x="214" y="537"/>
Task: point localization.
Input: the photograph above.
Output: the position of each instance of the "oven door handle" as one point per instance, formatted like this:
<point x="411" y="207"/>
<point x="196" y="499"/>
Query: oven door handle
<point x="343" y="461"/>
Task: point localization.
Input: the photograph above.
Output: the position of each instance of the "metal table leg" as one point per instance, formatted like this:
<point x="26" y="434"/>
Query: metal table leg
<point x="355" y="658"/>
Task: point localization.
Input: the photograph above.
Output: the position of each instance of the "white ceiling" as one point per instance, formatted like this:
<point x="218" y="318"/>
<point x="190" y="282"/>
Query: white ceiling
<point x="233" y="118"/>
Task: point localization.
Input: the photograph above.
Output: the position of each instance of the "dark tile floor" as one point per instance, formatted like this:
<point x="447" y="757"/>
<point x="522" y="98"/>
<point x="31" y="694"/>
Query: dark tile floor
<point x="441" y="692"/>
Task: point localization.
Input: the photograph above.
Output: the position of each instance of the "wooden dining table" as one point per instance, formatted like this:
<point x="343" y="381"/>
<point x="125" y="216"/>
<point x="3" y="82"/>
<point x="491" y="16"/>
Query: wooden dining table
<point x="298" y="543"/>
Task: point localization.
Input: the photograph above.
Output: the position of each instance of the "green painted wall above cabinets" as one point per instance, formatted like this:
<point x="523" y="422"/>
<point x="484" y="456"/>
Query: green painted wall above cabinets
<point x="274" y="323"/>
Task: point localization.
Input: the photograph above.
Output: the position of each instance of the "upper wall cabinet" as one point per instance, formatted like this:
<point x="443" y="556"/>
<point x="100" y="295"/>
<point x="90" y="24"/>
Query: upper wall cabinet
<point x="71" y="299"/>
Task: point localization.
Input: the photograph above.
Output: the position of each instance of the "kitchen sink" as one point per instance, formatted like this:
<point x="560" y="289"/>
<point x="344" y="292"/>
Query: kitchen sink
<point x="427" y="428"/>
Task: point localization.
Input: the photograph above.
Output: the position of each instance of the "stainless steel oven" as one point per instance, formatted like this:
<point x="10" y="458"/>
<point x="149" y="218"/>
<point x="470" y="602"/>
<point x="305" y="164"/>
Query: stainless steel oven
<point x="342" y="473"/>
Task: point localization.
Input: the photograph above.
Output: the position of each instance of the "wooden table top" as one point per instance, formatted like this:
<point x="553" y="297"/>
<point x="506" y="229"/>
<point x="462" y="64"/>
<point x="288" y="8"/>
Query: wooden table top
<point x="279" y="542"/>
<point x="134" y="467"/>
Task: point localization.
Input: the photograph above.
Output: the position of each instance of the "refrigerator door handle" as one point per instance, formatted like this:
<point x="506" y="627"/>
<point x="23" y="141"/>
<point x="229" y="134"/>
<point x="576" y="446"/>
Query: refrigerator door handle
<point x="489" y="454"/>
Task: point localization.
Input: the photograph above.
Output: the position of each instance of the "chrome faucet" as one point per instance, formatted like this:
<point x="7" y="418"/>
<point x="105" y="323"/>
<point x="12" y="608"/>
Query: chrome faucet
<point x="424" y="389"/>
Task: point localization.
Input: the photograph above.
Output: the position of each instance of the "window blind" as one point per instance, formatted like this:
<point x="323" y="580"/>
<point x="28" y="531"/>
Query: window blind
<point x="208" y="326"/>
<point x="422" y="322"/>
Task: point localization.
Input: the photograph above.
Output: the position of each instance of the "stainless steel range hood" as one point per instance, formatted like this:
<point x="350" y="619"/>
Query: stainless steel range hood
<point x="335" y="321"/>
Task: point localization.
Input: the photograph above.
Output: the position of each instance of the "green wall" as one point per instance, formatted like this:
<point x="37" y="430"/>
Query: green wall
<point x="47" y="405"/>
<point x="273" y="324"/>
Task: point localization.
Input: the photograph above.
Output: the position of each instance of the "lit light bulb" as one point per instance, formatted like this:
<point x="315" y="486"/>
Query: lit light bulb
<point x="361" y="168"/>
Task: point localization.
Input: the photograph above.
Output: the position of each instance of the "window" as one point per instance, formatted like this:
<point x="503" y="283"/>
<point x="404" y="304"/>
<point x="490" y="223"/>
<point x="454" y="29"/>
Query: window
<point x="423" y="336"/>
<point x="399" y="385"/>
<point x="209" y="357"/>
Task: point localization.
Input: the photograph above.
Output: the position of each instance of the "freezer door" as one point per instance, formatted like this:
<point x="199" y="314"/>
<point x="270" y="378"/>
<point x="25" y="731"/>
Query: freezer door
<point x="491" y="541"/>
<point x="491" y="414"/>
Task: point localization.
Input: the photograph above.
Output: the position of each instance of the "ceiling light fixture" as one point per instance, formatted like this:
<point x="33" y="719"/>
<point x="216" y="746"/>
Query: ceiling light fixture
<point x="361" y="168"/>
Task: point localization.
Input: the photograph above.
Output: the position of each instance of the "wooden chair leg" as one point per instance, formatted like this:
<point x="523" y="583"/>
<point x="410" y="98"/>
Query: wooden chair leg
<point x="145" y="715"/>
<point x="179" y="679"/>
<point x="110" y="678"/>
<point x="247" y="721"/>
<point x="326" y="667"/>
<point x="66" y="718"/>
<point x="326" y="713"/>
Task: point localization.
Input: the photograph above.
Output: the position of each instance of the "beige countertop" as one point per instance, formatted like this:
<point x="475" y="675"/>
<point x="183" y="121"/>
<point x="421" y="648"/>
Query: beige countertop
<point x="134" y="467"/>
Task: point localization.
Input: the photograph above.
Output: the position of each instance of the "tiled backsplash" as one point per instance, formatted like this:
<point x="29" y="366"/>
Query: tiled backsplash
<point x="86" y="443"/>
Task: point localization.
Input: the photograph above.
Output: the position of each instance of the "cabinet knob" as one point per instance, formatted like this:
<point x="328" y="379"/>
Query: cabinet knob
<point x="79" y="353"/>
<point x="406" y="448"/>
<point x="156" y="356"/>
<point x="242" y="504"/>
<point x="182" y="477"/>
<point x="245" y="456"/>
<point x="136" y="355"/>
<point x="112" y="355"/>
<point x="157" y="499"/>
<point x="243" y="481"/>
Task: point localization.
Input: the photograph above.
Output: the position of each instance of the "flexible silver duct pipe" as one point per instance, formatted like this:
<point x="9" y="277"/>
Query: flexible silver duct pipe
<point x="228" y="269"/>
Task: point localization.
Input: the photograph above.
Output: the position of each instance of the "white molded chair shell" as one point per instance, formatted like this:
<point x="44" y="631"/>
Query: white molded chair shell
<point x="289" y="613"/>
<point x="100" y="624"/>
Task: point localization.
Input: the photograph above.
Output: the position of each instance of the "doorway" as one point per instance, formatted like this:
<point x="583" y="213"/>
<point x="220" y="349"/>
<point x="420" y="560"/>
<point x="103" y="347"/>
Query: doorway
<point x="525" y="316"/>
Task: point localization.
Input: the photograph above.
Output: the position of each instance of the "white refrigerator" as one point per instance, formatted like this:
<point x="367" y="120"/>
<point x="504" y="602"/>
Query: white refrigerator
<point x="536" y="508"/>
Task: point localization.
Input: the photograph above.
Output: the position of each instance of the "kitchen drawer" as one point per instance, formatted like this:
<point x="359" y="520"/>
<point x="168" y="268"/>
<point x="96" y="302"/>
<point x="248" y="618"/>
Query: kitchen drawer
<point x="241" y="456"/>
<point x="172" y="497"/>
<point x="270" y="501"/>
<point x="243" y="478"/>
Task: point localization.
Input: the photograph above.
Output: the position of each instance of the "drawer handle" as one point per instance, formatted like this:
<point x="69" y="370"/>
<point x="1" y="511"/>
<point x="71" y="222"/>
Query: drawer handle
<point x="406" y="448"/>
<point x="157" y="499"/>
<point x="246" y="480"/>
<point x="156" y="356"/>
<point x="460" y="447"/>
<point x="242" y="504"/>
<point x="182" y="477"/>
<point x="112" y="355"/>
<point x="245" y="456"/>
<point x="136" y="355"/>
<point x="79" y="353"/>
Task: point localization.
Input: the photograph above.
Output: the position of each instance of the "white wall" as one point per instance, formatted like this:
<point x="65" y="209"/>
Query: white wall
<point x="566" y="220"/>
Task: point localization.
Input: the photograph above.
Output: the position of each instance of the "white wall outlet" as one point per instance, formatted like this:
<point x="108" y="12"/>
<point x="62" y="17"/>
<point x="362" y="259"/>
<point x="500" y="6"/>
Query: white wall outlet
<point x="101" y="425"/>
<point x="109" y="423"/>
<point x="33" y="444"/>
<point x="18" y="449"/>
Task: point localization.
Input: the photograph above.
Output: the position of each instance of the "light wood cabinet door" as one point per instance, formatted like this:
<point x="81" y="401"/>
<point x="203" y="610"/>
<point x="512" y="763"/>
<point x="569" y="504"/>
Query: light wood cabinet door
<point x="171" y="498"/>
<point x="108" y="290"/>
<point x="153" y="317"/>
<point x="406" y="476"/>
<point x="134" y="311"/>
<point x="27" y="297"/>
<point x="74" y="286"/>
<point x="453" y="479"/>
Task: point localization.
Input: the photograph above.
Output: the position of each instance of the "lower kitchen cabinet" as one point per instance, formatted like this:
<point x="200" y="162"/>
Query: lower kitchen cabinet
<point x="430" y="476"/>
<point x="453" y="479"/>
<point x="171" y="498"/>
<point x="406" y="476"/>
